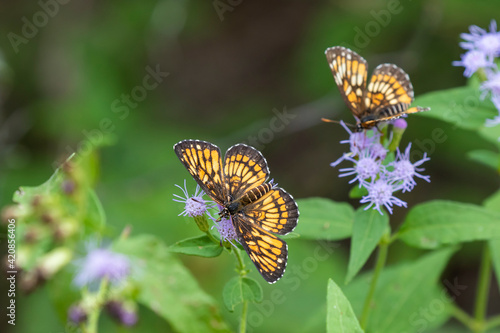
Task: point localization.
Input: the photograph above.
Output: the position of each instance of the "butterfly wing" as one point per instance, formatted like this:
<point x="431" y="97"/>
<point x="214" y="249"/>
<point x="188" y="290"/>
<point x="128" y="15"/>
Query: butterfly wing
<point x="389" y="92"/>
<point x="267" y="252"/>
<point x="276" y="212"/>
<point x="203" y="161"/>
<point x="244" y="168"/>
<point x="349" y="70"/>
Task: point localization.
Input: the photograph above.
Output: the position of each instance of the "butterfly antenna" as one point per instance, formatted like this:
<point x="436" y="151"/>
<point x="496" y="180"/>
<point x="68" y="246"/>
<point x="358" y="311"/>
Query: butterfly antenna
<point x="337" y="122"/>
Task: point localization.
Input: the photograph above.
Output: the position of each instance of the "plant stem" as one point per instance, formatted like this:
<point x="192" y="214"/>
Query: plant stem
<point x="462" y="316"/>
<point x="97" y="306"/>
<point x="379" y="265"/>
<point x="243" y="322"/>
<point x="483" y="289"/>
<point x="241" y="263"/>
<point x="212" y="238"/>
<point x="493" y="322"/>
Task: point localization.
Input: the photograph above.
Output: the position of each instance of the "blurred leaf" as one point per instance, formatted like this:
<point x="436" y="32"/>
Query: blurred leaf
<point x="486" y="157"/>
<point x="169" y="289"/>
<point x="405" y="295"/>
<point x="340" y="317"/>
<point x="322" y="218"/>
<point x="461" y="106"/>
<point x="369" y="226"/>
<point x="240" y="289"/>
<point x="357" y="192"/>
<point x="493" y="203"/>
<point x="201" y="246"/>
<point x="435" y="223"/>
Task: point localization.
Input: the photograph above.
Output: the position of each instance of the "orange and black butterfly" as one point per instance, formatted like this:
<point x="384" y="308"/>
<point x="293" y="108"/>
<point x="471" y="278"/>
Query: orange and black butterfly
<point x="388" y="95"/>
<point x="257" y="209"/>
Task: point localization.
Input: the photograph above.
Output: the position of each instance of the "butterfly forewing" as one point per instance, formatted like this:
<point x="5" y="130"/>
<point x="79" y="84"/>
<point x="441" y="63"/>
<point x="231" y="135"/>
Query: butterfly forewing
<point x="349" y="70"/>
<point x="267" y="252"/>
<point x="203" y="161"/>
<point x="244" y="168"/>
<point x="276" y="211"/>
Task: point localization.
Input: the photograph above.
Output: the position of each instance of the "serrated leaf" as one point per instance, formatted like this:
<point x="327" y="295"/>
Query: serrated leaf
<point x="340" y="317"/>
<point x="369" y="227"/>
<point x="322" y="218"/>
<point x="436" y="223"/>
<point x="201" y="246"/>
<point x="485" y="157"/>
<point x="405" y="295"/>
<point x="238" y="289"/>
<point x="168" y="288"/>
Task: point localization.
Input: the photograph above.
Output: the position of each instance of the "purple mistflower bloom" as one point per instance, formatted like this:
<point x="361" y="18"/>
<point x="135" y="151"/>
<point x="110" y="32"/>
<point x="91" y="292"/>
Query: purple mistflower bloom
<point x="102" y="263"/>
<point x="378" y="151"/>
<point x="194" y="205"/>
<point x="358" y="141"/>
<point x="492" y="84"/>
<point x="225" y="228"/>
<point x="380" y="193"/>
<point x="405" y="171"/>
<point x="472" y="61"/>
<point x="366" y="167"/>
<point x="400" y="123"/>
<point x="118" y="311"/>
<point x="480" y="39"/>
<point x="77" y="314"/>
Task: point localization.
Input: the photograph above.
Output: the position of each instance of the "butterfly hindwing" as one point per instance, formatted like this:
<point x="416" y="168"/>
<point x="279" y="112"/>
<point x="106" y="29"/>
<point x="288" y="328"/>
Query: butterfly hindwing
<point x="203" y="161"/>
<point x="267" y="252"/>
<point x="276" y="212"/>
<point x="389" y="87"/>
<point x="244" y="168"/>
<point x="349" y="70"/>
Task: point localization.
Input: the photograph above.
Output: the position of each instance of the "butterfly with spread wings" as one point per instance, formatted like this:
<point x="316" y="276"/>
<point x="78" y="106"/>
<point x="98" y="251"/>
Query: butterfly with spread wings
<point x="257" y="209"/>
<point x="388" y="95"/>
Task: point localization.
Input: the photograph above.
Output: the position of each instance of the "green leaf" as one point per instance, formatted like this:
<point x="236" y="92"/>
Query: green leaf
<point x="322" y="218"/>
<point x="201" y="246"/>
<point x="437" y="223"/>
<point x="495" y="257"/>
<point x="357" y="192"/>
<point x="369" y="227"/>
<point x="461" y="106"/>
<point x="493" y="203"/>
<point x="486" y="157"/>
<point x="240" y="289"/>
<point x="340" y="317"/>
<point x="168" y="288"/>
<point x="406" y="295"/>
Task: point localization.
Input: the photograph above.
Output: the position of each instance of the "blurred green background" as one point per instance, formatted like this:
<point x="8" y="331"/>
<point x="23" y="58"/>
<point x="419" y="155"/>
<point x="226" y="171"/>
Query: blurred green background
<point x="240" y="71"/>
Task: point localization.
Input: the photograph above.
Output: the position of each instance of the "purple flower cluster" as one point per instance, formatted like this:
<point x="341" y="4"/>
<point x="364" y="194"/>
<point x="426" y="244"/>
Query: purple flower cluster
<point x="196" y="206"/>
<point x="375" y="173"/>
<point x="482" y="47"/>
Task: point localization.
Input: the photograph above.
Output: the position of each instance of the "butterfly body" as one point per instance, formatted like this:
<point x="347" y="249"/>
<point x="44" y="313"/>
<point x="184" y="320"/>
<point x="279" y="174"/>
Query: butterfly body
<point x="257" y="209"/>
<point x="387" y="96"/>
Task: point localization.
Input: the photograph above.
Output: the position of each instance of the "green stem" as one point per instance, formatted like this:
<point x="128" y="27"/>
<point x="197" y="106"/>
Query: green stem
<point x="492" y="323"/>
<point x="243" y="322"/>
<point x="462" y="316"/>
<point x="212" y="238"/>
<point x="100" y="298"/>
<point x="379" y="265"/>
<point x="482" y="289"/>
<point x="241" y="264"/>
